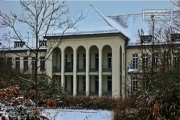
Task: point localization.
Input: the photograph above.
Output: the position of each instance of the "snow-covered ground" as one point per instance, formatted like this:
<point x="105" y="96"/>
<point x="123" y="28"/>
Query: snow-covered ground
<point x="60" y="114"/>
<point x="70" y="114"/>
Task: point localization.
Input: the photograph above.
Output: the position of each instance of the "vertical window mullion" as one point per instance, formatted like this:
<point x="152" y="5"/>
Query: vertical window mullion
<point x="135" y="61"/>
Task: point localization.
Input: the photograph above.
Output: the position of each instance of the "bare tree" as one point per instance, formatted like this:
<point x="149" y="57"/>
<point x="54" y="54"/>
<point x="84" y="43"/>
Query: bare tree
<point x="158" y="73"/>
<point x="40" y="17"/>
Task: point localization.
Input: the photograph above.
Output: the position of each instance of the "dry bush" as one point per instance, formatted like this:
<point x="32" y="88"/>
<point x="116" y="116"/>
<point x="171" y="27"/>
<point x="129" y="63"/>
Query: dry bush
<point x="123" y="108"/>
<point x="117" y="105"/>
<point x="51" y="103"/>
<point x="89" y="102"/>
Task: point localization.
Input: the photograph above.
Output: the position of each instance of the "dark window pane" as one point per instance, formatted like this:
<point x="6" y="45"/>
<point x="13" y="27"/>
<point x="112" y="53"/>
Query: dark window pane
<point x="42" y="63"/>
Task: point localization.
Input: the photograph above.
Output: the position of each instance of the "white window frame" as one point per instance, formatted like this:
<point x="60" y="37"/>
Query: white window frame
<point x="145" y="61"/>
<point x="25" y="63"/>
<point x="135" y="61"/>
<point x="17" y="63"/>
<point x="42" y="63"/>
<point x="134" y="84"/>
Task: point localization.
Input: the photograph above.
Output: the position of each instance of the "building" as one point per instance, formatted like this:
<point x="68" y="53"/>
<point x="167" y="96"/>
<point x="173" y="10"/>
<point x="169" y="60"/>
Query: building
<point x="92" y="59"/>
<point x="148" y="57"/>
<point x="22" y="59"/>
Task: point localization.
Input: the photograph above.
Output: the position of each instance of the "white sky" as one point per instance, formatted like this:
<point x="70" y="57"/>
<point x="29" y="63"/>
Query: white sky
<point x="109" y="8"/>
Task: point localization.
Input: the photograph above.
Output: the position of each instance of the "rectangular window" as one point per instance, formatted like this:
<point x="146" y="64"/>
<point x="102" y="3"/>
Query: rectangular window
<point x="175" y="37"/>
<point x="66" y="58"/>
<point x="9" y="62"/>
<point x="134" y="84"/>
<point x="109" y="83"/>
<point x="71" y="61"/>
<point x="90" y="59"/>
<point x="42" y="63"/>
<point x="25" y="63"/>
<point x="146" y="38"/>
<point x="84" y="84"/>
<point x="145" y="61"/>
<point x="167" y="57"/>
<point x="176" y="59"/>
<point x="109" y="58"/>
<point x="96" y="84"/>
<point x="135" y="61"/>
<point x="72" y="85"/>
<point x="65" y="86"/>
<point x="155" y="60"/>
<point x="178" y="37"/>
<point x="77" y="83"/>
<point x="33" y="63"/>
<point x="84" y="61"/>
<point x="96" y="61"/>
<point x="69" y="65"/>
<point x="1" y="60"/>
<point x="77" y="61"/>
<point x="17" y="65"/>
<point x="66" y="63"/>
<point x="42" y="44"/>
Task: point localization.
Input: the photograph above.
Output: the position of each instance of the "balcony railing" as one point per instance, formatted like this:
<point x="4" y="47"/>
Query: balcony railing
<point x="56" y="69"/>
<point x="81" y="68"/>
<point x="68" y="91"/>
<point x="107" y="68"/>
<point x="94" y="68"/>
<point x="106" y="92"/>
<point x="93" y="92"/>
<point x="81" y="92"/>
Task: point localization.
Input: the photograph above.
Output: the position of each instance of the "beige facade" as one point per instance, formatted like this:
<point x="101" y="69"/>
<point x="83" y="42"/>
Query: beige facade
<point x="92" y="60"/>
<point x="89" y="65"/>
<point x="22" y="62"/>
<point x="149" y="58"/>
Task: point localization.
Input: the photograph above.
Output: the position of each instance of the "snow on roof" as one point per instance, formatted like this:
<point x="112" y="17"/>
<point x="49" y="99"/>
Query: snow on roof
<point x="114" y="24"/>
<point x="93" y="22"/>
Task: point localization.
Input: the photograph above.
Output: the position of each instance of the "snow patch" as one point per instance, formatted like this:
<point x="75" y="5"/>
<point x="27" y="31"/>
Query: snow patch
<point x="70" y="114"/>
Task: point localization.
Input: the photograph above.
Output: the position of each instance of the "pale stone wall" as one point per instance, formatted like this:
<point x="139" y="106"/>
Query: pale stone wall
<point x="93" y="45"/>
<point x="102" y="45"/>
<point x="21" y="55"/>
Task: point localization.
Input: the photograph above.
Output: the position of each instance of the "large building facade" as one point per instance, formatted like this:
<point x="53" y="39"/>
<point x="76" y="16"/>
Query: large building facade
<point x="90" y="65"/>
<point x="89" y="60"/>
<point x="92" y="60"/>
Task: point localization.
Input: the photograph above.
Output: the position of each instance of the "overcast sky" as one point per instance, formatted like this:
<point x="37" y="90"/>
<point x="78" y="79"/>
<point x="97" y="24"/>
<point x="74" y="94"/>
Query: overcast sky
<point x="109" y="8"/>
<point x="114" y="7"/>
